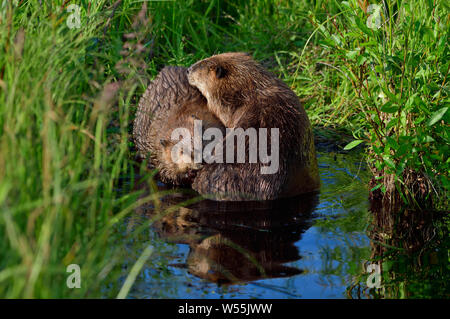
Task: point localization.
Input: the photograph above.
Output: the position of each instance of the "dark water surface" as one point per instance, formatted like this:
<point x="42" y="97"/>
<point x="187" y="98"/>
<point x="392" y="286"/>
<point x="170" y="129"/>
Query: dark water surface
<point x="310" y="247"/>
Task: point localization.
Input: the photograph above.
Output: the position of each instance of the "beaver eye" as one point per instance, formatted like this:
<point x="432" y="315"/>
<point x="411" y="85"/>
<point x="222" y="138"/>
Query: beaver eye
<point x="220" y="72"/>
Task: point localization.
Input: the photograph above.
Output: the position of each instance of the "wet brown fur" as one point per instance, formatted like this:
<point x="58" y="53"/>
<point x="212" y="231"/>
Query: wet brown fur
<point x="169" y="102"/>
<point x="242" y="94"/>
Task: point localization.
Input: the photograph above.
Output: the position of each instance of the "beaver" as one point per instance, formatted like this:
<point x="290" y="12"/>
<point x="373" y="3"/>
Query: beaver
<point x="170" y="102"/>
<point x="242" y="94"/>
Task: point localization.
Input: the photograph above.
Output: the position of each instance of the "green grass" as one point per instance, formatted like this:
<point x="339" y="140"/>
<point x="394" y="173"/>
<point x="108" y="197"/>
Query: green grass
<point x="68" y="96"/>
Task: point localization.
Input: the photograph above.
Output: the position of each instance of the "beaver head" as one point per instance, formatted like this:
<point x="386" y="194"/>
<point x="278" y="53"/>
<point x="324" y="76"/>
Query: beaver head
<point x="177" y="153"/>
<point x="176" y="157"/>
<point x="229" y="81"/>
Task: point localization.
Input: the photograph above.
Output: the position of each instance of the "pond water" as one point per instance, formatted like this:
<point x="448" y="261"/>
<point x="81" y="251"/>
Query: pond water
<point x="312" y="246"/>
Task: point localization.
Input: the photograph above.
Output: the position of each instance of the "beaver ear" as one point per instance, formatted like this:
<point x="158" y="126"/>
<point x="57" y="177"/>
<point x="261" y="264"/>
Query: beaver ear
<point x="220" y="71"/>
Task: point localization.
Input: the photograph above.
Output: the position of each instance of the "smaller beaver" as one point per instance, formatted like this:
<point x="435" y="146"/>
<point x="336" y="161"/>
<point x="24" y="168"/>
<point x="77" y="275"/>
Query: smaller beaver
<point x="169" y="103"/>
<point x="179" y="168"/>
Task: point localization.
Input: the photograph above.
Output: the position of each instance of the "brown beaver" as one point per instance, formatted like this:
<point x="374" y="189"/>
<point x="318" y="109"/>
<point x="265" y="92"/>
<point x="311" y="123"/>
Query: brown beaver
<point x="170" y="102"/>
<point x="242" y="94"/>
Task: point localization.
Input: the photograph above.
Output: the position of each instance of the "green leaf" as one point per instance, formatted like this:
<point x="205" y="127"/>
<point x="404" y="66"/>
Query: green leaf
<point x="389" y="162"/>
<point x="393" y="143"/>
<point x="436" y="116"/>
<point x="351" y="54"/>
<point x="391" y="96"/>
<point x="336" y="39"/>
<point x="392" y="123"/>
<point x="362" y="26"/>
<point x="376" y="187"/>
<point x="389" y="107"/>
<point x="411" y="100"/>
<point x="369" y="43"/>
<point x="353" y="144"/>
<point x="400" y="168"/>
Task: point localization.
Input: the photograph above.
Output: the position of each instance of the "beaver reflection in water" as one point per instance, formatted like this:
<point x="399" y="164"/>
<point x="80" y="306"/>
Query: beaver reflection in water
<point x="235" y="242"/>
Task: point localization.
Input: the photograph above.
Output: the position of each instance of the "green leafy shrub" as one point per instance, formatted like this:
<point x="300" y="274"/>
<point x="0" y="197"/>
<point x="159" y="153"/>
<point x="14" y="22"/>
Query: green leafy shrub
<point x="395" y="56"/>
